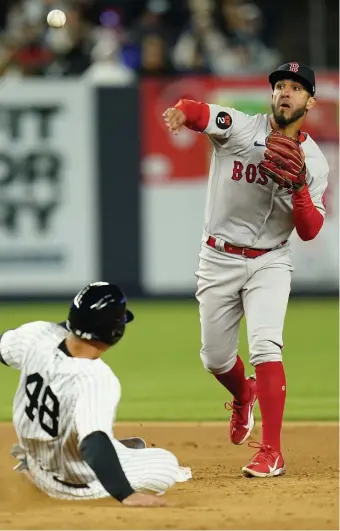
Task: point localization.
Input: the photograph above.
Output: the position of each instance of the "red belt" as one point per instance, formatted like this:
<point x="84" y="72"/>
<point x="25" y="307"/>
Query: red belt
<point x="244" y="251"/>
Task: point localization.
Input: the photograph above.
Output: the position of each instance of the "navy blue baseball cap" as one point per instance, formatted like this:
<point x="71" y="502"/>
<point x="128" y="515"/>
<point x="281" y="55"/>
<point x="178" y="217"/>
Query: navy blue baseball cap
<point x="296" y="71"/>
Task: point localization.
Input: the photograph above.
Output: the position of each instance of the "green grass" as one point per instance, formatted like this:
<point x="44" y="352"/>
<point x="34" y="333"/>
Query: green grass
<point x="160" y="370"/>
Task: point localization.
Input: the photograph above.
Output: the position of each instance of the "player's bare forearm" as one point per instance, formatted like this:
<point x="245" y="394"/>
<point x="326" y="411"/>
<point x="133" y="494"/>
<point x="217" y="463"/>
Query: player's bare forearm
<point x="307" y="218"/>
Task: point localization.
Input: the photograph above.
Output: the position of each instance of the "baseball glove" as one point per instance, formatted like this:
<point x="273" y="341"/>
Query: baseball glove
<point x="284" y="161"/>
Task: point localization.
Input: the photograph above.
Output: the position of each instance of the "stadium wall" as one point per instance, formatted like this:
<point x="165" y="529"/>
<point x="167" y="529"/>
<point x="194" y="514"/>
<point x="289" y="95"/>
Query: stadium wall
<point x="92" y="186"/>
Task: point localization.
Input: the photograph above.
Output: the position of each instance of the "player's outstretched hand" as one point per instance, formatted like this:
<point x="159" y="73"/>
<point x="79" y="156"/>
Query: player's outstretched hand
<point x="174" y="119"/>
<point x="138" y="499"/>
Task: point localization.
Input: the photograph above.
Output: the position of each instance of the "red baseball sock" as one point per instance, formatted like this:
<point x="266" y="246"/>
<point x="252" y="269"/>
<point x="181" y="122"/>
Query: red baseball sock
<point x="271" y="392"/>
<point x="236" y="382"/>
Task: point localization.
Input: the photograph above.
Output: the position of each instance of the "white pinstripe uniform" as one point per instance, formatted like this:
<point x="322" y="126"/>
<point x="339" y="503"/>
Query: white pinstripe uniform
<point x="59" y="401"/>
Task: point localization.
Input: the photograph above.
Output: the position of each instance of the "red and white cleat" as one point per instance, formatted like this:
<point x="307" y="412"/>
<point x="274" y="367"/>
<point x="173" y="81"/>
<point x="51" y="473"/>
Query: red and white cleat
<point x="266" y="463"/>
<point x="242" y="418"/>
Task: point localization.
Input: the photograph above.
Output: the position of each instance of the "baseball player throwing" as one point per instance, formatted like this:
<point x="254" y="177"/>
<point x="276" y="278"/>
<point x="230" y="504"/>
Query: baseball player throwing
<point x="266" y="178"/>
<point x="66" y="403"/>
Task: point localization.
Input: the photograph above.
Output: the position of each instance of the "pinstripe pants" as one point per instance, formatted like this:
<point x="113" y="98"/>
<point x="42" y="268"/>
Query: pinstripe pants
<point x="152" y="470"/>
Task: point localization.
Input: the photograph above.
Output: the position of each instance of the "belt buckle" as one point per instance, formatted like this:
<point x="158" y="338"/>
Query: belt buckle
<point x="219" y="244"/>
<point x="244" y="250"/>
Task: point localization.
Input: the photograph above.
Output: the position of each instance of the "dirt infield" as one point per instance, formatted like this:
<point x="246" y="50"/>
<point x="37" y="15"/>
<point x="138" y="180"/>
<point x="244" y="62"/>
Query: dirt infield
<point x="216" y="498"/>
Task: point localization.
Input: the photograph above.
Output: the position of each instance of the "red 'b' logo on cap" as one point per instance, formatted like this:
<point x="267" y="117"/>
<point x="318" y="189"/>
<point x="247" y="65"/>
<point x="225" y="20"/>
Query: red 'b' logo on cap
<point x="294" y="67"/>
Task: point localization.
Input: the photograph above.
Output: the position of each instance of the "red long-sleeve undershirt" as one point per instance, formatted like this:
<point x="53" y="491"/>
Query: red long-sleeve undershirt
<point x="307" y="218"/>
<point x="196" y="112"/>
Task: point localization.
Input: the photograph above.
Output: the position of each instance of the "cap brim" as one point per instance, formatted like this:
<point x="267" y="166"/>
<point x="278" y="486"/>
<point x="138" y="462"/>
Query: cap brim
<point x="129" y="316"/>
<point x="284" y="74"/>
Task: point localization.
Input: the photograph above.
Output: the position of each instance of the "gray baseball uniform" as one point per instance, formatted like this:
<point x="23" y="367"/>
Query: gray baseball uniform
<point x="245" y="209"/>
<point x="59" y="401"/>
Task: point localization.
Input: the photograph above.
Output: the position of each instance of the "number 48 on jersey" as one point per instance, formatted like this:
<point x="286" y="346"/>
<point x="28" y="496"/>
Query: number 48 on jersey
<point x="47" y="410"/>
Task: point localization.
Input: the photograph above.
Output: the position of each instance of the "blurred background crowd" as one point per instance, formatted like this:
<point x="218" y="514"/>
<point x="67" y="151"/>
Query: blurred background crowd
<point x="120" y="40"/>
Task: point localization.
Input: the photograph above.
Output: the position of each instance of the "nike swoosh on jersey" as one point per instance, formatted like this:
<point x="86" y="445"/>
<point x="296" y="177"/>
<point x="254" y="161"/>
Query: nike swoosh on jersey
<point x="259" y="145"/>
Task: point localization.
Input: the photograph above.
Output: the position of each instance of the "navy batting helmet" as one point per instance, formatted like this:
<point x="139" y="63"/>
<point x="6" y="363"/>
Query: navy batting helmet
<point x="99" y="312"/>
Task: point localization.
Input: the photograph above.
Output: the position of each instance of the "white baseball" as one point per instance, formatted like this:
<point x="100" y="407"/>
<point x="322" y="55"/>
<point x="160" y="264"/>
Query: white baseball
<point x="56" y="18"/>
